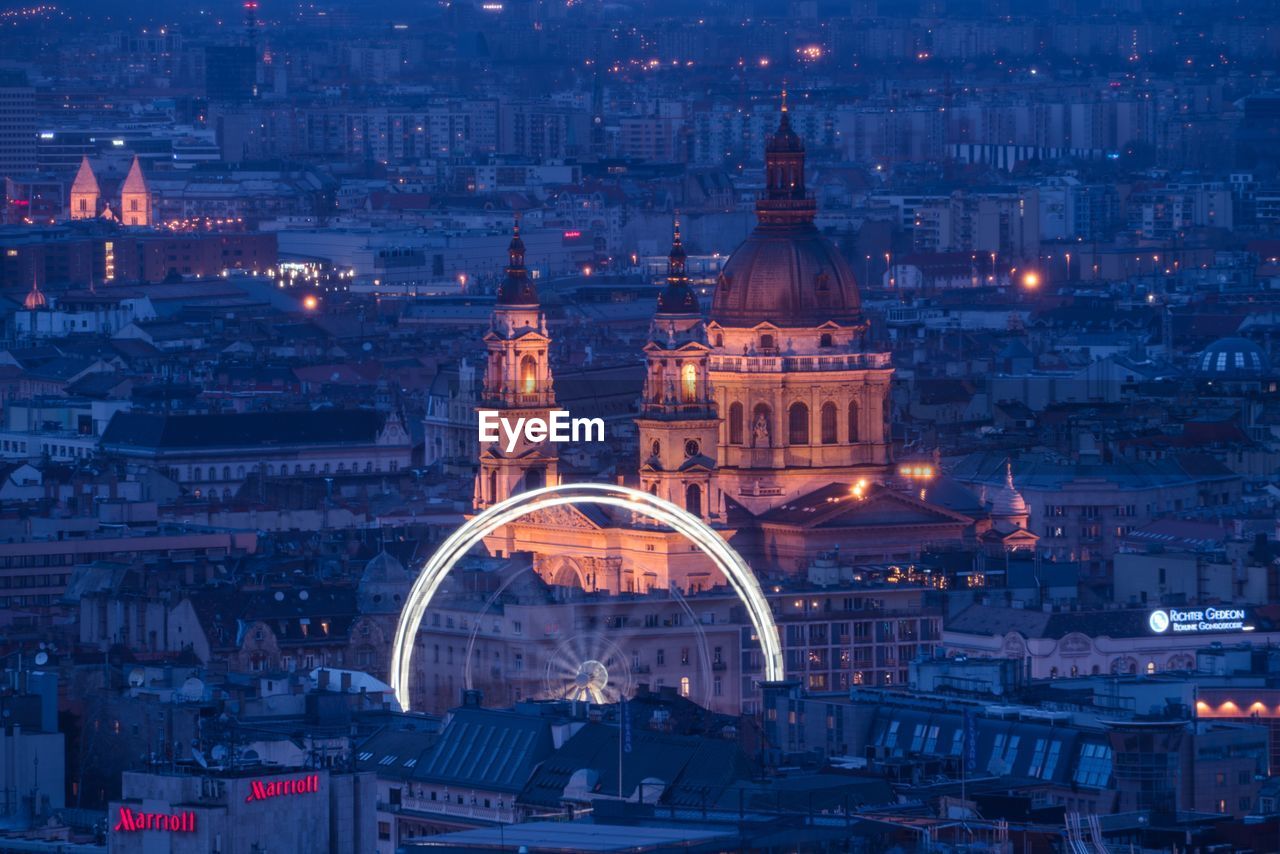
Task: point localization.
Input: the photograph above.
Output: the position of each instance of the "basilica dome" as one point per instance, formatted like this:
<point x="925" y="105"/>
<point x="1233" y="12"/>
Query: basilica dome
<point x="788" y="276"/>
<point x="785" y="273"/>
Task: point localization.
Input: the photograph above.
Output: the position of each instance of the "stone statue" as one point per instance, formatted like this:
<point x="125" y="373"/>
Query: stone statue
<point x="760" y="431"/>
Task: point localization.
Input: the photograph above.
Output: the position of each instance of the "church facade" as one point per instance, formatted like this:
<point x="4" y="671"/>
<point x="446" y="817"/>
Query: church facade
<point x="133" y="206"/>
<point x="769" y="417"/>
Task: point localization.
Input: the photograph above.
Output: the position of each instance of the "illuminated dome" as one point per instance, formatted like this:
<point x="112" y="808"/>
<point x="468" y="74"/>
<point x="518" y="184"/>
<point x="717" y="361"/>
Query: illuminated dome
<point x="1006" y="501"/>
<point x="1231" y="358"/>
<point x="789" y="276"/>
<point x="35" y="299"/>
<point x="786" y="272"/>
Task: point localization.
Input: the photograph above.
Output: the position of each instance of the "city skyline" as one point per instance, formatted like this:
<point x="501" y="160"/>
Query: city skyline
<point x="769" y="425"/>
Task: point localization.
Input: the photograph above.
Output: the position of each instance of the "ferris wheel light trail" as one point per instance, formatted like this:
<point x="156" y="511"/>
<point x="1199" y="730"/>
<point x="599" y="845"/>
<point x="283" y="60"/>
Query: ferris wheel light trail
<point x="461" y="541"/>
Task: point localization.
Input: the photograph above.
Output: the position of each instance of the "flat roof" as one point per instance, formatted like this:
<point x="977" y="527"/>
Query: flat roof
<point x="575" y="836"/>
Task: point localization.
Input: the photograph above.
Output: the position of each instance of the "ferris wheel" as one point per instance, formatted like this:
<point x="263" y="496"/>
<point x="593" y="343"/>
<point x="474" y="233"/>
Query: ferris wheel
<point x="590" y="665"/>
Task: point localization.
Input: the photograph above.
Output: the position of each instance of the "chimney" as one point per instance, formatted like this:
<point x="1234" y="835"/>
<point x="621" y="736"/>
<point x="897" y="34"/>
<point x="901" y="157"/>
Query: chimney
<point x="346" y="681"/>
<point x="471" y="698"/>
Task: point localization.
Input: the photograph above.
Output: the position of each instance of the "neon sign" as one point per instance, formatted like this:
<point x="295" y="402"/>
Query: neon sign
<point x="129" y="821"/>
<point x="1198" y="620"/>
<point x="260" y="790"/>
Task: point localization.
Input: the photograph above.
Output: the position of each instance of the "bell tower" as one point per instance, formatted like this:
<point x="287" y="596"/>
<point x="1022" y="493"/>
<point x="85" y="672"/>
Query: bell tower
<point x="85" y="192"/>
<point x="135" y="197"/>
<point x="517" y="384"/>
<point x="678" y="424"/>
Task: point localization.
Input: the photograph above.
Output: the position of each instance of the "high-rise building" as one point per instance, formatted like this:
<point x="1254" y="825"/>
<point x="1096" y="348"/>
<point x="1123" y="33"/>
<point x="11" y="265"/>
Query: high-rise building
<point x="17" y="123"/>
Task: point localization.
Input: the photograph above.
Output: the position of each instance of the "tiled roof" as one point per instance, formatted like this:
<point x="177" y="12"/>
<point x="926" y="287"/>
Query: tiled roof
<point x="250" y="429"/>
<point x="487" y="749"/>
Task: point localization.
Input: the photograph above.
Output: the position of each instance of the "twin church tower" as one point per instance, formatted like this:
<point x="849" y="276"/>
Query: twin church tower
<point x="769" y="398"/>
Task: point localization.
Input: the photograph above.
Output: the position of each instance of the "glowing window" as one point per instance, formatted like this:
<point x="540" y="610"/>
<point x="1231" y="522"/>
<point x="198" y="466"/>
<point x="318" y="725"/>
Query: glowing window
<point x="689" y="383"/>
<point x="528" y="375"/>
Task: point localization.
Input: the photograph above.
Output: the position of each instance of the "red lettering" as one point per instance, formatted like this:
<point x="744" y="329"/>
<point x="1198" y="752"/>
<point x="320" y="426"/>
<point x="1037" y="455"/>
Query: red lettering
<point x="128" y="821"/>
<point x="259" y="790"/>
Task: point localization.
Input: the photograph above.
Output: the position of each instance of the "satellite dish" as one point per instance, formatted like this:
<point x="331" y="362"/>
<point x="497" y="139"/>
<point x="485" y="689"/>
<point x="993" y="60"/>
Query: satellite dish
<point x="279" y="595"/>
<point x="219" y="753"/>
<point x="192" y="689"/>
<point x="137" y="677"/>
<point x="304" y="595"/>
<point x="198" y="755"/>
<point x="367" y="346"/>
<point x="42" y="658"/>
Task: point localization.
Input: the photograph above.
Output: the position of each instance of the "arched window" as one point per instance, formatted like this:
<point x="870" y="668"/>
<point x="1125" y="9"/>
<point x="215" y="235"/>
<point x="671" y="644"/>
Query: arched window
<point x="528" y="375"/>
<point x="226" y="472"/>
<point x="825" y="340"/>
<point x="766" y="342"/>
<point x="535" y="479"/>
<point x="761" y="426"/>
<point x="798" y="424"/>
<point x="493" y="486"/>
<point x="735" y="423"/>
<point x="693" y="499"/>
<point x="689" y="383"/>
<point x="829" y="433"/>
<point x="853" y="421"/>
<point x="655" y="384"/>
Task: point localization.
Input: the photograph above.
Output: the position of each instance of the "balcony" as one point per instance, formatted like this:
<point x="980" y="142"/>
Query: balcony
<point x="797" y="364"/>
<point x="505" y="814"/>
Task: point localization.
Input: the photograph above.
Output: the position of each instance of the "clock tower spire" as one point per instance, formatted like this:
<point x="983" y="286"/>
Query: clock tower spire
<point x="678" y="425"/>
